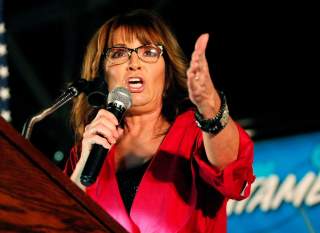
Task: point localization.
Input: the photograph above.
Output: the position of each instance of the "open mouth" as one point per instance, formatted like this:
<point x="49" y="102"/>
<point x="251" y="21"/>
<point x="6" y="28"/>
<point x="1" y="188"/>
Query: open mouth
<point x="135" y="83"/>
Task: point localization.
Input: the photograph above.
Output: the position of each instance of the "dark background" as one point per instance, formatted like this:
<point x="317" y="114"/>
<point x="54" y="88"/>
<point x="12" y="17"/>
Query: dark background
<point x="264" y="55"/>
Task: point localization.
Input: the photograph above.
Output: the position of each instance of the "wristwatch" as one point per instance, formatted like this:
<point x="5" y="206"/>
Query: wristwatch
<point x="216" y="124"/>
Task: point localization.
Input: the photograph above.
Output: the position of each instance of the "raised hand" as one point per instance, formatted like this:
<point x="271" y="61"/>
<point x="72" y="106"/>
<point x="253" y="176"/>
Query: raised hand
<point x="200" y="86"/>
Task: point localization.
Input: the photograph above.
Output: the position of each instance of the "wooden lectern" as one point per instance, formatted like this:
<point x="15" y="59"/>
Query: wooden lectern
<point x="36" y="197"/>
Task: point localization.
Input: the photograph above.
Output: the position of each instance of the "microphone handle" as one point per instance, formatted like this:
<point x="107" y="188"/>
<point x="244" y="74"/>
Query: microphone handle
<point x="93" y="165"/>
<point x="98" y="153"/>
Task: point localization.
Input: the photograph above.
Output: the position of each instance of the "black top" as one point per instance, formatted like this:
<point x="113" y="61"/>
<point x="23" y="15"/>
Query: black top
<point x="128" y="181"/>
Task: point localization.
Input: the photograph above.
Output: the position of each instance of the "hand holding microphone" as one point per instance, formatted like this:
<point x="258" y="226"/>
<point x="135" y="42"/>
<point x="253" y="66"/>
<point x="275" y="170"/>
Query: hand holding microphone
<point x="102" y="132"/>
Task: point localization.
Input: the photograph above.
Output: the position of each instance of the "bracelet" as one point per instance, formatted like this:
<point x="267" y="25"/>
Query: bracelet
<point x="216" y="124"/>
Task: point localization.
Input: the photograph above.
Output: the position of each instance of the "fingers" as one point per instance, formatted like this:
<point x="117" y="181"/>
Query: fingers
<point x="104" y="114"/>
<point x="200" y="86"/>
<point x="196" y="89"/>
<point x="201" y="43"/>
<point x="102" y="130"/>
<point x="198" y="64"/>
<point x="198" y="72"/>
<point x="195" y="72"/>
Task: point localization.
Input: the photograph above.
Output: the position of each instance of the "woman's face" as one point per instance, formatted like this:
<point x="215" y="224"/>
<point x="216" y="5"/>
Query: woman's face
<point x="145" y="81"/>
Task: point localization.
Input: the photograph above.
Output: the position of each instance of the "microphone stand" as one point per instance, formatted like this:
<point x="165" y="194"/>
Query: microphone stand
<point x="63" y="99"/>
<point x="95" y="90"/>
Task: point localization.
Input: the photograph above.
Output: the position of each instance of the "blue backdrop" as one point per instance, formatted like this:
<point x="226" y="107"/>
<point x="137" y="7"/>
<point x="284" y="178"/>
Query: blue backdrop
<point x="286" y="194"/>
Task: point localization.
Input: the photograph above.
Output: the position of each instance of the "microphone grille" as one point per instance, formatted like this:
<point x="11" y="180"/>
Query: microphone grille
<point x="122" y="95"/>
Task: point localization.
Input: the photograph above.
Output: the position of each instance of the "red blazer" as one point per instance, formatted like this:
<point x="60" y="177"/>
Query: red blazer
<point x="180" y="191"/>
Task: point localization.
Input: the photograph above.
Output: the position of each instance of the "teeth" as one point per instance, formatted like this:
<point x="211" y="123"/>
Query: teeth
<point x="134" y="80"/>
<point x="135" y="83"/>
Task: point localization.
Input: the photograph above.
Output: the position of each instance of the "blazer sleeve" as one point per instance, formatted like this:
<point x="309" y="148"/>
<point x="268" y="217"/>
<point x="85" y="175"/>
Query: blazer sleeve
<point x="235" y="180"/>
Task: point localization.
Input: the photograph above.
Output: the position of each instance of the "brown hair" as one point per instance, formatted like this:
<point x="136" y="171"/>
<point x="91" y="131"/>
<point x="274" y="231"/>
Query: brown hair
<point x="147" y="27"/>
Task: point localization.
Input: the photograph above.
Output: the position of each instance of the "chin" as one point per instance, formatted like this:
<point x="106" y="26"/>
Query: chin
<point x="138" y="99"/>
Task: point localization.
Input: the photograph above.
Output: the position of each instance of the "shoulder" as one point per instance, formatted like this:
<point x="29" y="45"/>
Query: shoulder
<point x="182" y="135"/>
<point x="186" y="117"/>
<point x="185" y="122"/>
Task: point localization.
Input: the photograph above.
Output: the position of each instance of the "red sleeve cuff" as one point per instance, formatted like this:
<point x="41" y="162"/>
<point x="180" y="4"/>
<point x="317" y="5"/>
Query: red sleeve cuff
<point x="235" y="180"/>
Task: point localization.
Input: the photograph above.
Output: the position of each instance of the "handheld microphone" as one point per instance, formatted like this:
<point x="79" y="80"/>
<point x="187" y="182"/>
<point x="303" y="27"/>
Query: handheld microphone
<point x="119" y="100"/>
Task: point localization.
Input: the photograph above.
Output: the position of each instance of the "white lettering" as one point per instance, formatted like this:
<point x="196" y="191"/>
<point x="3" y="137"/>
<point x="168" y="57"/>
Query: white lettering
<point x="303" y="188"/>
<point x="263" y="196"/>
<point x="269" y="193"/>
<point x="237" y="207"/>
<point x="285" y="192"/>
<point x="313" y="196"/>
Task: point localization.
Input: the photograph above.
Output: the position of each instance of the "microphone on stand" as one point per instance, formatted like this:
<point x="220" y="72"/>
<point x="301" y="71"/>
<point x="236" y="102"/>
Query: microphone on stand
<point x="94" y="89"/>
<point x="119" y="100"/>
<point x="73" y="90"/>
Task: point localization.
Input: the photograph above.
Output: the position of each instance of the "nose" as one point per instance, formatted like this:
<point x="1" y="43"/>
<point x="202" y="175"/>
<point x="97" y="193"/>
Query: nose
<point x="134" y="61"/>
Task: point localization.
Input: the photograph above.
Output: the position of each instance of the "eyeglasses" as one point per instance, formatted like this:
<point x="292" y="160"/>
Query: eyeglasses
<point x="146" y="53"/>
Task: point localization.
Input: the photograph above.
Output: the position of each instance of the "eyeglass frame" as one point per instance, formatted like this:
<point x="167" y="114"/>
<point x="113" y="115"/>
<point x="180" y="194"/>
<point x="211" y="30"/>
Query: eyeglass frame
<point x="130" y="51"/>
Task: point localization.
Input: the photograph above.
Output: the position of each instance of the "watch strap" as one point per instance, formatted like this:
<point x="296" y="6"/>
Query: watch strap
<point x="218" y="122"/>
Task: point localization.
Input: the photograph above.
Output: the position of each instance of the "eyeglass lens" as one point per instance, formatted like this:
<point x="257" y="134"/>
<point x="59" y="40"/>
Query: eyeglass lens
<point x="146" y="53"/>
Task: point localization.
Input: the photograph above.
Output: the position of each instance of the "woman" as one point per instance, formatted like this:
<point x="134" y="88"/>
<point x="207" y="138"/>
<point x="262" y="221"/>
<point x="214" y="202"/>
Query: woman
<point x="164" y="171"/>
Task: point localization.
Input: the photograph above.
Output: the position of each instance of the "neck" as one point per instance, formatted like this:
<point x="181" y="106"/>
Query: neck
<point x="151" y="123"/>
<point x="142" y="137"/>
